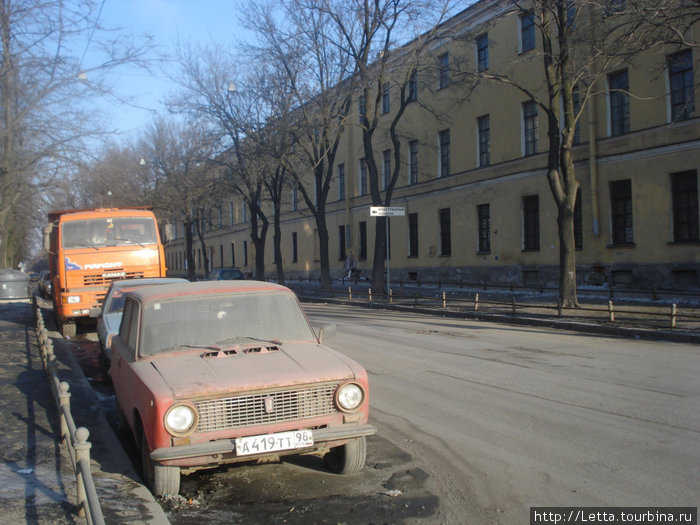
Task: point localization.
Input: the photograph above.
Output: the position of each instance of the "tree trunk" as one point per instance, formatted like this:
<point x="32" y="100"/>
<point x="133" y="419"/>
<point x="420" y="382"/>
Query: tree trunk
<point x="567" y="256"/>
<point x="189" y="254"/>
<point x="278" y="247"/>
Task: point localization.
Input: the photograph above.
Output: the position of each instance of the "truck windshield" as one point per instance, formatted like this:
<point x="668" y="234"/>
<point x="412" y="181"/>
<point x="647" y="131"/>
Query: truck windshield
<point x="111" y="231"/>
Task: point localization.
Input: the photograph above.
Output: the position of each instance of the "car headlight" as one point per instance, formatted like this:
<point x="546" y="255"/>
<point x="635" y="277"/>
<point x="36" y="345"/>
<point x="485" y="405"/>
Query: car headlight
<point x="180" y="419"/>
<point x="349" y="397"/>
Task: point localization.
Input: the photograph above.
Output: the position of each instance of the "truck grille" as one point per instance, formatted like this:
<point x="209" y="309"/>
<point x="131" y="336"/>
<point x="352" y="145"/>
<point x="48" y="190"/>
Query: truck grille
<point x="267" y="407"/>
<point x="98" y="279"/>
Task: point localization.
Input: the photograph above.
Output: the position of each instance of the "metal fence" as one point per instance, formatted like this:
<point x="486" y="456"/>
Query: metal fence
<point x="474" y="305"/>
<point x="76" y="439"/>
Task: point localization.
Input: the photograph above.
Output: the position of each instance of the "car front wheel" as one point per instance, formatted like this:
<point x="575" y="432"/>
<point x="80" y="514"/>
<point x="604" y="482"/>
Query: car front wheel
<point x="348" y="458"/>
<point x="160" y="479"/>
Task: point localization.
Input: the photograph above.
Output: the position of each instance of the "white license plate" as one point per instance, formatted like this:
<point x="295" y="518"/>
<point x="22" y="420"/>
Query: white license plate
<point x="246" y="446"/>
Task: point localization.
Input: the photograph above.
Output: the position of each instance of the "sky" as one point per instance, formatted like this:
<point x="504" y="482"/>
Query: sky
<point x="196" y="21"/>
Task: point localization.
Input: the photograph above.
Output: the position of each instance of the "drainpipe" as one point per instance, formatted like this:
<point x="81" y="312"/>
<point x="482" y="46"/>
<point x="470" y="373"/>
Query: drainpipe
<point x="593" y="165"/>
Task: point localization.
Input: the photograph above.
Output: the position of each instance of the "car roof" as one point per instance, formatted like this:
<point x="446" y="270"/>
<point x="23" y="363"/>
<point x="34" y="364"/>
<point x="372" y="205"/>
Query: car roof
<point x="166" y="291"/>
<point x="125" y="283"/>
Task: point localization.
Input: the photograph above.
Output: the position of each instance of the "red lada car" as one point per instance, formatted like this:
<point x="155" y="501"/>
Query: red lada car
<point x="214" y="372"/>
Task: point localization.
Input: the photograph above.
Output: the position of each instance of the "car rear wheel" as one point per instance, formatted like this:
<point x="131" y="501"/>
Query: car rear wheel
<point x="348" y="458"/>
<point x="161" y="480"/>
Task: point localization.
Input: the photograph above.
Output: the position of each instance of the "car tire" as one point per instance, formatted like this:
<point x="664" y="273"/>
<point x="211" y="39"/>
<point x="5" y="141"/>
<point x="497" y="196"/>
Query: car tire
<point x="160" y="479"/>
<point x="348" y="458"/>
<point x="68" y="329"/>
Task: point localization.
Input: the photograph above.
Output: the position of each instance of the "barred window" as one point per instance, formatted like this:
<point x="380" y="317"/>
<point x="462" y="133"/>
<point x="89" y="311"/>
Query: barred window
<point x="531" y="223"/>
<point x="484" y="213"/>
<point x="684" y="187"/>
<point x="621" y="211"/>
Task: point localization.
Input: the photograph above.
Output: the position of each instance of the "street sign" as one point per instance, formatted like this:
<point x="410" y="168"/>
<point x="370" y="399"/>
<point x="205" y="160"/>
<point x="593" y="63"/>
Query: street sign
<point x="387" y="211"/>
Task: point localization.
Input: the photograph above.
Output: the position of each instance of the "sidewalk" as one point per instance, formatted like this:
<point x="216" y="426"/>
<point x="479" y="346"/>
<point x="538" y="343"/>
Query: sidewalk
<point x="37" y="484"/>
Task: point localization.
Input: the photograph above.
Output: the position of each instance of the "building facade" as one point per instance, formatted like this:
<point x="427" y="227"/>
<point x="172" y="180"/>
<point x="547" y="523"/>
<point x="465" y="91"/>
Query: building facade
<point x="473" y="174"/>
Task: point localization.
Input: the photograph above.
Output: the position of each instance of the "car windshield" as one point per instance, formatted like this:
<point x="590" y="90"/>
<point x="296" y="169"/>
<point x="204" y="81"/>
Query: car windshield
<point x="222" y="319"/>
<point x="117" y="231"/>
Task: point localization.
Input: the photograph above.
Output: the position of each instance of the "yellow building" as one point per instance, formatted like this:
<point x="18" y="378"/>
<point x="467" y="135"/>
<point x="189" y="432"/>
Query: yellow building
<point x="473" y="176"/>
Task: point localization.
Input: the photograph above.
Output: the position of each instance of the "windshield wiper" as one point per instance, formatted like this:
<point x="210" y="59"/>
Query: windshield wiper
<point x="130" y="241"/>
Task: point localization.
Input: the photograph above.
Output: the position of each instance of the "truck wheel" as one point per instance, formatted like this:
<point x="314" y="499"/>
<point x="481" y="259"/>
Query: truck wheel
<point x="68" y="329"/>
<point x="348" y="458"/>
<point x="161" y="480"/>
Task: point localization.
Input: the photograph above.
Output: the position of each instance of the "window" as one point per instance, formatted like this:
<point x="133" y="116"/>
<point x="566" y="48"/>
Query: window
<point x="530" y="128"/>
<point x="531" y="223"/>
<point x="621" y="211"/>
<point x="578" y="222"/>
<point x="341" y="242"/>
<point x="233" y="254"/>
<point x="484" y="213"/>
<point x="245" y="212"/>
<point x="220" y="220"/>
<point x="445" y="233"/>
<point x="443" y="70"/>
<point x="221" y="255"/>
<point x="245" y="253"/>
<point x="231" y="216"/>
<point x="386" y="168"/>
<point x="680" y="74"/>
<point x="527" y="32"/>
<point x="484" y="153"/>
<point x="413" y="87"/>
<point x="363" y="241"/>
<point x="444" y="139"/>
<point x="684" y="187"/>
<point x="295" y="198"/>
<point x="612" y="7"/>
<point x="295" y="252"/>
<point x="482" y="52"/>
<point x="618" y="85"/>
<point x="363" y="177"/>
<point x="413" y="235"/>
<point x="570" y="12"/>
<point x="361" y="108"/>
<point x="341" y="182"/>
<point x="386" y="98"/>
<point x="413" y="162"/>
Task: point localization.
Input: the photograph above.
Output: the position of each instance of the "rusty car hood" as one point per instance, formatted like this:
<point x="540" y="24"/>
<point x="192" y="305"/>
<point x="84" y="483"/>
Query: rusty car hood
<point x="192" y="375"/>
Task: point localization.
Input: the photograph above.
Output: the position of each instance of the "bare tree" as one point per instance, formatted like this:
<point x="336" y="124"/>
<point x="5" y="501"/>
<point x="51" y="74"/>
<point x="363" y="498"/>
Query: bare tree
<point x="46" y="82"/>
<point x="217" y="88"/>
<point x="581" y="42"/>
<point x="294" y="39"/>
<point x="175" y="161"/>
<point x="368" y="35"/>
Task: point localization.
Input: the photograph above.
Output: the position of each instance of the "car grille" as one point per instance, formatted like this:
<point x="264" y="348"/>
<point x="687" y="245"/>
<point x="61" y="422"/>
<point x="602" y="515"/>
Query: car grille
<point x="97" y="279"/>
<point x="267" y="407"/>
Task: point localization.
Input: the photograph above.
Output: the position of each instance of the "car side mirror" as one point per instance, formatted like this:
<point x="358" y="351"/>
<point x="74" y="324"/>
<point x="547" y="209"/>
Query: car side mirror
<point x="326" y="332"/>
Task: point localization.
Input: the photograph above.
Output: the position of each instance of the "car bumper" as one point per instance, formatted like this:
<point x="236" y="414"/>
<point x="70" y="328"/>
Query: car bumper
<point x="228" y="446"/>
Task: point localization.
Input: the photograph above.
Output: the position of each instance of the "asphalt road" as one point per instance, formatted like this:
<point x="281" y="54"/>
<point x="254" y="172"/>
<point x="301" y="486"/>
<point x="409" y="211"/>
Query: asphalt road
<point x="501" y="418"/>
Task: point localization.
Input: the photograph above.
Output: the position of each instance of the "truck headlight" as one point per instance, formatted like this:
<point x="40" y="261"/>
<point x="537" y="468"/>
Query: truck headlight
<point x="71" y="299"/>
<point x="180" y="419"/>
<point x="349" y="397"/>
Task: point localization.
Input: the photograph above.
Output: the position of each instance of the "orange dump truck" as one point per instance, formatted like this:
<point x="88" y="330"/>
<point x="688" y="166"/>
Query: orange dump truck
<point x="88" y="249"/>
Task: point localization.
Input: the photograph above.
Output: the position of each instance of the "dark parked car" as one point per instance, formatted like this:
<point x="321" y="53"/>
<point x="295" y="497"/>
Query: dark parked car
<point x="208" y="373"/>
<point x="111" y="313"/>
<point x="225" y="274"/>
<point x="44" y="285"/>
